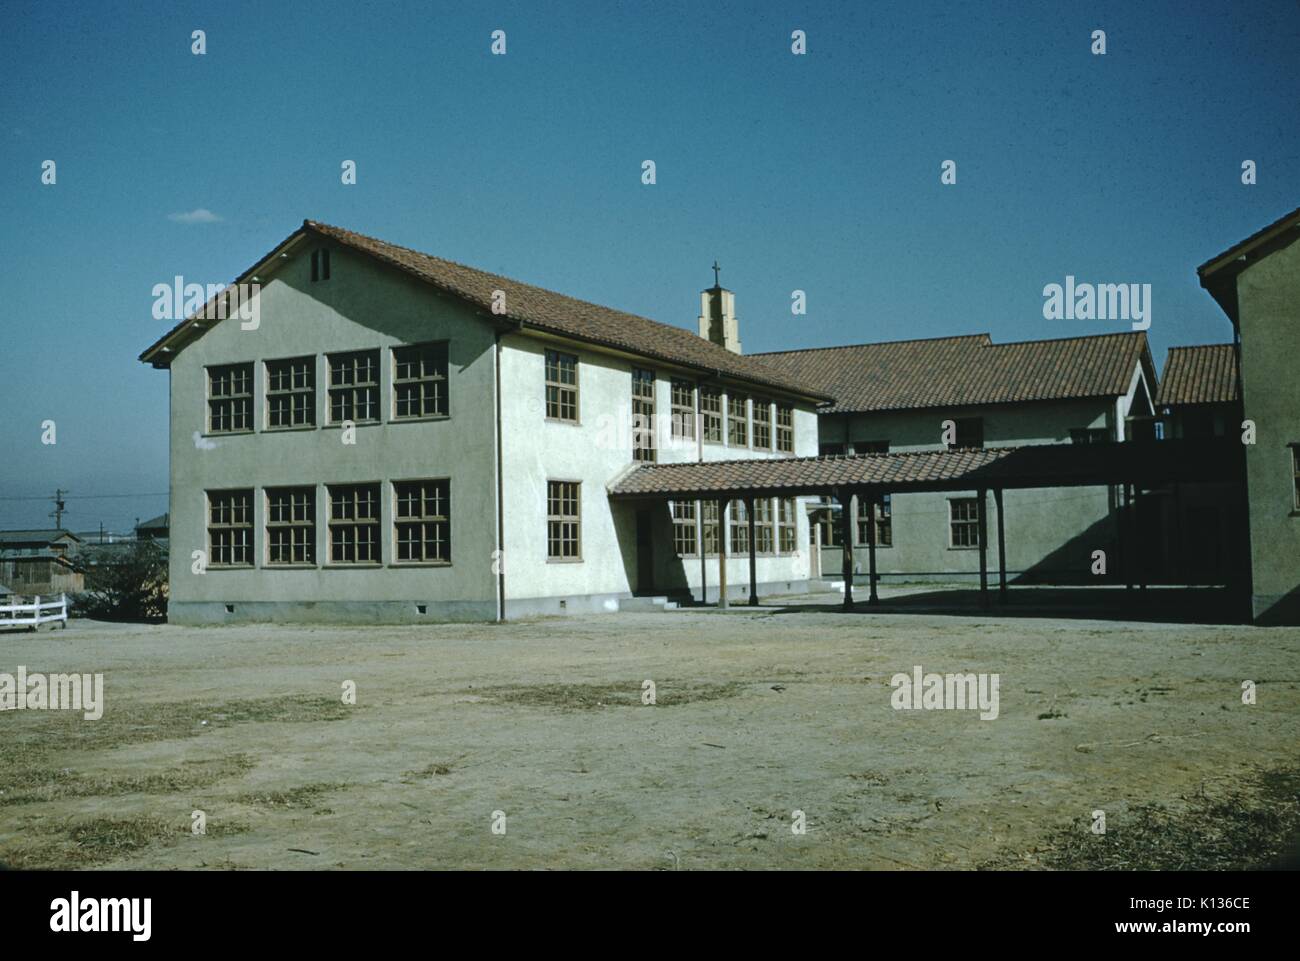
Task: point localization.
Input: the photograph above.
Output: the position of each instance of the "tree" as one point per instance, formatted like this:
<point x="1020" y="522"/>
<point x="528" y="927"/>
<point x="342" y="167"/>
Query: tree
<point x="127" y="586"/>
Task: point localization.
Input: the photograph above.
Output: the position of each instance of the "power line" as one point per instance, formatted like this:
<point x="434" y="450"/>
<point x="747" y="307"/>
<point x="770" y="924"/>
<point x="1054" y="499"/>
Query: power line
<point x="87" y="497"/>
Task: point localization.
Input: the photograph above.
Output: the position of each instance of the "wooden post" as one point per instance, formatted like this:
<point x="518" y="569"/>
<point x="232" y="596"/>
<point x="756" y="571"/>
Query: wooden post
<point x="1126" y="539"/>
<point x="753" y="552"/>
<point x="846" y="546"/>
<point x="722" y="554"/>
<point x="1002" y="547"/>
<point x="984" y="548"/>
<point x="872" y="597"/>
<point x="699" y="545"/>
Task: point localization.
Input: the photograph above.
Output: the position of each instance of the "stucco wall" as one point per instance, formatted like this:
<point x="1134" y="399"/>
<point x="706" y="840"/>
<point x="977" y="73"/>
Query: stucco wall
<point x="362" y="305"/>
<point x="1268" y="294"/>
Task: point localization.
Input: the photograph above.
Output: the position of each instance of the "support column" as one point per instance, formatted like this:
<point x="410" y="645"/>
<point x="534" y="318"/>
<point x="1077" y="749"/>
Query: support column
<point x="722" y="554"/>
<point x="1002" y="547"/>
<point x="753" y="552"/>
<point x="846" y="545"/>
<point x="872" y="498"/>
<point x="984" y="548"/>
<point x="1126" y="538"/>
<point x="699" y="546"/>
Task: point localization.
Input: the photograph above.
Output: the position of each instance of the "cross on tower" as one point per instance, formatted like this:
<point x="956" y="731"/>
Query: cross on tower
<point x="716" y="268"/>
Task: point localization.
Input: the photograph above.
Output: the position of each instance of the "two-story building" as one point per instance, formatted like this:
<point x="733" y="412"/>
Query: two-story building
<point x="398" y="437"/>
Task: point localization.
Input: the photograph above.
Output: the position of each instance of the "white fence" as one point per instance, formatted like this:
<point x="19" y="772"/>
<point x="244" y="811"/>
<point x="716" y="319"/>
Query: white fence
<point x="34" y="614"/>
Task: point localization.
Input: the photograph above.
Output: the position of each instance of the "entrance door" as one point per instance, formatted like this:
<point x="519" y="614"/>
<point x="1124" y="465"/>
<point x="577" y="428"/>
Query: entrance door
<point x="645" y="553"/>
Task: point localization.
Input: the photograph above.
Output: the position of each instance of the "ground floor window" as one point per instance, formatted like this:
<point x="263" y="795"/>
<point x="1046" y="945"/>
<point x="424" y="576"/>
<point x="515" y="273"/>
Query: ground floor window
<point x="786" y="526"/>
<point x="763" y="525"/>
<point x="712" y="528"/>
<point x="683" y="527"/>
<point x="563" y="521"/>
<point x="230" y="528"/>
<point x="422" y="521"/>
<point x="291" y="525"/>
<point x="354" y="523"/>
<point x="963" y="518"/>
<point x="739" y="528"/>
<point x="830" y="523"/>
<point x="884" y="522"/>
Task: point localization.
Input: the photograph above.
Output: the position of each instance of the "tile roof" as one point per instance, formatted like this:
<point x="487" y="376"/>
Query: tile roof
<point x="45" y="536"/>
<point x="545" y="310"/>
<point x="1206" y="374"/>
<point x="1036" y="465"/>
<point x="968" y="370"/>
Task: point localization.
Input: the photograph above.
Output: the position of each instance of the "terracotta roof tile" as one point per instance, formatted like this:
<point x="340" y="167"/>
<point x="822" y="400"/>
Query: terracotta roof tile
<point x="1206" y="374"/>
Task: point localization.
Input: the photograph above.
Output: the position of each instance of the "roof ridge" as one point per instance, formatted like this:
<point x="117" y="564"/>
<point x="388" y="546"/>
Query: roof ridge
<point x="873" y="343"/>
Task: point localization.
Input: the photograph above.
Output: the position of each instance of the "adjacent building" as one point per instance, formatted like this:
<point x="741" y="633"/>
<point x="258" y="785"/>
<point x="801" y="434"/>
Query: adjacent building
<point x="40" y="561"/>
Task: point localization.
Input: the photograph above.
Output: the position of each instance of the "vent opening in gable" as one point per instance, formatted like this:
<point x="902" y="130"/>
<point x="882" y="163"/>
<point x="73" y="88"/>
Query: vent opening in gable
<point x="320" y="264"/>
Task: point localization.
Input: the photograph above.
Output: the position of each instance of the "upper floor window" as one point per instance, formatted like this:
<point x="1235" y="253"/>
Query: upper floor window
<point x="711" y="414"/>
<point x="561" y="386"/>
<point x="737" y="420"/>
<point x="320" y="264"/>
<point x="422" y="521"/>
<point x="762" y="424"/>
<point x="785" y="428"/>
<point x="683" y="402"/>
<point x="230" y="398"/>
<point x="230" y="528"/>
<point x="354" y="387"/>
<point x="969" y="433"/>
<point x="420" y="381"/>
<point x="291" y="525"/>
<point x="291" y="392"/>
<point x="643" y="414"/>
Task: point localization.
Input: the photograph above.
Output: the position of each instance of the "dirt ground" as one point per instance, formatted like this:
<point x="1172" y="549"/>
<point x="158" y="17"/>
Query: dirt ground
<point x="759" y="713"/>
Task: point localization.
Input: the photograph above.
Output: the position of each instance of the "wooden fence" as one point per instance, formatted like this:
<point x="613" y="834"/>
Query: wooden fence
<point x="33" y="615"/>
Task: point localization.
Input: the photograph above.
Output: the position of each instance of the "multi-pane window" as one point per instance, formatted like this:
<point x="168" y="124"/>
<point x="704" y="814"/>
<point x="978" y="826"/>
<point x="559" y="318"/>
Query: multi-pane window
<point x="711" y="414"/>
<point x="683" y="413"/>
<point x="354" y="524"/>
<point x="230" y="398"/>
<point x="762" y="424"/>
<point x="737" y="420"/>
<point x="710" y="528"/>
<point x="230" y="528"/>
<point x="291" y="392"/>
<point x="291" y="525"/>
<point x="354" y="386"/>
<point x="320" y="264"/>
<point x="884" y="522"/>
<point x="785" y="428"/>
<point x="964" y="517"/>
<point x="763" y="525"/>
<point x="969" y="433"/>
<point x="422" y="521"/>
<point x="1089" y="435"/>
<point x="643" y="414"/>
<point x="739" y="528"/>
<point x="683" y="527"/>
<point x="420" y="381"/>
<point x="561" y="386"/>
<point x="563" y="521"/>
<point x="786" y="526"/>
<point x="830" y="524"/>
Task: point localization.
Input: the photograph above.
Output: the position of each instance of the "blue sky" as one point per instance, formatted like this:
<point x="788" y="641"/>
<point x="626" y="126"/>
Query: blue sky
<point x="818" y="172"/>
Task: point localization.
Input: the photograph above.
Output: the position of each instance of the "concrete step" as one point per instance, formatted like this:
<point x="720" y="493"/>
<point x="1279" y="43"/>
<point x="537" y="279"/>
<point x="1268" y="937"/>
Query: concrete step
<point x="658" y="602"/>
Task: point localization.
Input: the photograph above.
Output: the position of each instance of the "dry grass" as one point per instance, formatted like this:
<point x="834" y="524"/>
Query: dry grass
<point x="588" y="697"/>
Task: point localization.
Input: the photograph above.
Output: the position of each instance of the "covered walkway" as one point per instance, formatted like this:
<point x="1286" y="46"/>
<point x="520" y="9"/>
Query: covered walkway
<point x="1132" y="466"/>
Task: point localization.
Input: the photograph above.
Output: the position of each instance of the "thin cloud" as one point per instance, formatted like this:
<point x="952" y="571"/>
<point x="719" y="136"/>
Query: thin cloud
<point x="200" y="216"/>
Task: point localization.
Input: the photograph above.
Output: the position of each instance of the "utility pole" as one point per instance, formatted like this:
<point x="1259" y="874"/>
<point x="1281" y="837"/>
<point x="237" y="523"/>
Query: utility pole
<point x="59" y="507"/>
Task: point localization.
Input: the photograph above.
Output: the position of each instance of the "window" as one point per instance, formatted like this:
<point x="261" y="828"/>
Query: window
<point x="291" y="525"/>
<point x="230" y="528"/>
<point x="1295" y="470"/>
<point x="354" y="387"/>
<point x="970" y="433"/>
<point x="683" y="527"/>
<point x="1089" y="435"/>
<point x="422" y="521"/>
<point x="786" y="526"/>
<point x="871" y="447"/>
<point x="785" y="428"/>
<point x="830" y="523"/>
<point x="710" y="529"/>
<point x="230" y="398"/>
<point x="420" y="381"/>
<point x="762" y="424"/>
<point x="711" y="414"/>
<point x="643" y="414"/>
<point x="291" y="392"/>
<point x="354" y="524"/>
<point x="561" y="386"/>
<point x="884" y="522"/>
<point x="683" y="412"/>
<point x="963" y="517"/>
<point x="763" y="525"/>
<point x="739" y="528"/>
<point x="737" y="420"/>
<point x="563" y="530"/>
<point x="320" y="264"/>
